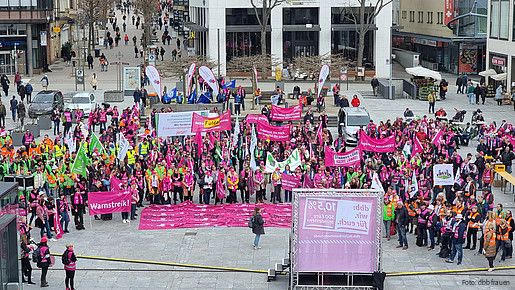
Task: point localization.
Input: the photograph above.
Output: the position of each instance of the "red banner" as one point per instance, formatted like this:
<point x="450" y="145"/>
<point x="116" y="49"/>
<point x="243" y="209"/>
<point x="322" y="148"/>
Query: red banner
<point x="266" y="131"/>
<point x="254" y="118"/>
<point x="367" y="143"/>
<point x="351" y="158"/>
<point x="104" y="202"/>
<point x="190" y="215"/>
<point x="286" y="114"/>
<point x="448" y="11"/>
<point x="289" y="182"/>
<point x="203" y="124"/>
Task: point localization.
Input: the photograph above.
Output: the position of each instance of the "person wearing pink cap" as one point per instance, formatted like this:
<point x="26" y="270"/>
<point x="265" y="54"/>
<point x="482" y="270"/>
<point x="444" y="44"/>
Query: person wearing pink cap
<point x="44" y="259"/>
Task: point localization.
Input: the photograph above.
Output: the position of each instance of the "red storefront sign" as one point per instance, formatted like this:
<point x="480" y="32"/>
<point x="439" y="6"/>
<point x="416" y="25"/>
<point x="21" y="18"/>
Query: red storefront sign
<point x="498" y="61"/>
<point x="448" y="13"/>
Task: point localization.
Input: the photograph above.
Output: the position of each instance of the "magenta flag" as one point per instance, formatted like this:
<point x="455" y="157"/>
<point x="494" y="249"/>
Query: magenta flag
<point x="57" y="225"/>
<point x="417" y="146"/>
<point x="104" y="202"/>
<point x="437" y="138"/>
<point x="367" y="143"/>
<point x="203" y="124"/>
<point x="266" y="131"/>
<point x="254" y="118"/>
<point x="286" y="114"/>
<point x="200" y="143"/>
<point x="289" y="182"/>
<point x="190" y="215"/>
<point x="512" y="141"/>
<point x="347" y="159"/>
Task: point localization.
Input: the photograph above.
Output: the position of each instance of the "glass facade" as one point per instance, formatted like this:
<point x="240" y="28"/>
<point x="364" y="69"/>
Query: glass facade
<point x="499" y="17"/>
<point x="245" y="44"/>
<point x="242" y="16"/>
<point x="300" y="16"/>
<point x="346" y="42"/>
<point x="299" y="43"/>
<point x="471" y="26"/>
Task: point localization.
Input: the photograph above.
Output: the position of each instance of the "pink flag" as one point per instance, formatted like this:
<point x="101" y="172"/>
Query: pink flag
<point x="347" y="159"/>
<point x="417" y="146"/>
<point x="319" y="135"/>
<point x="286" y="114"/>
<point x="367" y="143"/>
<point x="200" y="144"/>
<point x="203" y="124"/>
<point x="115" y="183"/>
<point x="437" y="138"/>
<point x="512" y="141"/>
<point x="254" y="118"/>
<point x="289" y="182"/>
<point x="57" y="225"/>
<point x="266" y="131"/>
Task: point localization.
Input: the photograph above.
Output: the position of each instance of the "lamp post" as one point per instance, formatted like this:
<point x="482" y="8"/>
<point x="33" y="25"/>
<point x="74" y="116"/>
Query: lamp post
<point x="394" y="27"/>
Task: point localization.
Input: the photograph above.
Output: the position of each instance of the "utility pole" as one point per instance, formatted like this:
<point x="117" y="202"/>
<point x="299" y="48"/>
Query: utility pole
<point x="218" y="50"/>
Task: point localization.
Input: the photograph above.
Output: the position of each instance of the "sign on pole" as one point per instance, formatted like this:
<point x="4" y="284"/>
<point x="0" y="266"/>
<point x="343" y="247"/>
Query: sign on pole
<point x="79" y="76"/>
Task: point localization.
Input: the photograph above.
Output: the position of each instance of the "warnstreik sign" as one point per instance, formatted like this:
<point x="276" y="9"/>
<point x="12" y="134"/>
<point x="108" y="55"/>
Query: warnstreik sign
<point x="350" y="158"/>
<point x="104" y="202"/>
<point x="266" y="131"/>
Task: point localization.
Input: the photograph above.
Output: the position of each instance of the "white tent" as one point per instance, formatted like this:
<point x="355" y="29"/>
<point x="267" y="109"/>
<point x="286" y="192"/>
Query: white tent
<point x="419" y="71"/>
<point x="500" y="77"/>
<point x="488" y="72"/>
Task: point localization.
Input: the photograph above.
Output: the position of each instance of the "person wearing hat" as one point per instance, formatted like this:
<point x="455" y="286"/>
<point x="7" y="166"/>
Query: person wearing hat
<point x="44" y="260"/>
<point x="70" y="263"/>
<point x="459" y="234"/>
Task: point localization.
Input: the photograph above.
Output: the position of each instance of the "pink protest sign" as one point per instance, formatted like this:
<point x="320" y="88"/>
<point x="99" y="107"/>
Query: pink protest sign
<point x="286" y="114"/>
<point x="190" y="215"/>
<point x="367" y="143"/>
<point x="266" y="131"/>
<point x="350" y="158"/>
<point x="104" y="202"/>
<point x="339" y="231"/>
<point x="289" y="182"/>
<point x="254" y="118"/>
<point x="203" y="124"/>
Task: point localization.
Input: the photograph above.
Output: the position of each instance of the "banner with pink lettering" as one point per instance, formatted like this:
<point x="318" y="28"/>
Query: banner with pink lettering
<point x="266" y="131"/>
<point x="289" y="182"/>
<point x="191" y="215"/>
<point x="104" y="202"/>
<point x="347" y="159"/>
<point x="254" y="118"/>
<point x="341" y="231"/>
<point x="204" y="124"/>
<point x="286" y="114"/>
<point x="367" y="143"/>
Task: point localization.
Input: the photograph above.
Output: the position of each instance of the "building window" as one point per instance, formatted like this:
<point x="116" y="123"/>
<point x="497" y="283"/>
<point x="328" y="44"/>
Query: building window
<point x="300" y="16"/>
<point x="242" y="16"/>
<point x="299" y="44"/>
<point x="430" y="17"/>
<point x="499" y="16"/>
<point x="404" y="14"/>
<point x="412" y="16"/>
<point x="420" y="17"/>
<point x="439" y="17"/>
<point x="245" y="44"/>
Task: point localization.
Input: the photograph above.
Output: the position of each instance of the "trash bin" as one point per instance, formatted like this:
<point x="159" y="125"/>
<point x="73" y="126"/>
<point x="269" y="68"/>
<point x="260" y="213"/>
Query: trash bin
<point x="97" y="52"/>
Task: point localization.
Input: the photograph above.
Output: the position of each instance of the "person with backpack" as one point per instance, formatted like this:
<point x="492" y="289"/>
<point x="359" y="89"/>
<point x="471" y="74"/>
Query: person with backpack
<point x="28" y="92"/>
<point x="26" y="268"/>
<point x="41" y="256"/>
<point x="256" y="222"/>
<point x="69" y="261"/>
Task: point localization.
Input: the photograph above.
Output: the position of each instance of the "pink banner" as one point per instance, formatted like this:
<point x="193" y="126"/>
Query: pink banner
<point x="203" y="124"/>
<point x="345" y="238"/>
<point x="289" y="182"/>
<point x="417" y="146"/>
<point x="266" y="131"/>
<point x="512" y="141"/>
<point x="351" y="158"/>
<point x="190" y="215"/>
<point x="104" y="202"/>
<point x="286" y="114"/>
<point x="254" y="118"/>
<point x="367" y="143"/>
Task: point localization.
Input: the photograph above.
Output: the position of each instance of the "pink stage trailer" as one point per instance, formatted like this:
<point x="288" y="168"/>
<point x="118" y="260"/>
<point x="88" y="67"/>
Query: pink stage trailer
<point x="335" y="232"/>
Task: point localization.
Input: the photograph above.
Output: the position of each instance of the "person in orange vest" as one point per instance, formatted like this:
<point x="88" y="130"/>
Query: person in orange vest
<point x="490" y="245"/>
<point x="511" y="226"/>
<point x="473" y="219"/>
<point x="503" y="232"/>
<point x="412" y="213"/>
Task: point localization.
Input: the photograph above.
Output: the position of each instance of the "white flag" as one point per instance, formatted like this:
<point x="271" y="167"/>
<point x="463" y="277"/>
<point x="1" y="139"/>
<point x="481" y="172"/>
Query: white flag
<point x="235" y="137"/>
<point x="123" y="145"/>
<point x="376" y="183"/>
<point x="68" y="139"/>
<point x="253" y="143"/>
<point x="414" y="185"/>
<point x="154" y="79"/>
<point x="457" y="177"/>
<point x="324" y="73"/>
<point x="209" y="78"/>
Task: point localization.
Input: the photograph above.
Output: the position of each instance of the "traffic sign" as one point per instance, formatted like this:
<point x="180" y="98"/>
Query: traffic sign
<point x="79" y="76"/>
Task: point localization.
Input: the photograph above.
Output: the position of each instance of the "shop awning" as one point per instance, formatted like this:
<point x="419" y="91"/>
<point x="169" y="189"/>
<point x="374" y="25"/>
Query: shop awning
<point x="419" y="71"/>
<point x="488" y="72"/>
<point x="307" y="27"/>
<point x="500" y="77"/>
<point x="195" y="27"/>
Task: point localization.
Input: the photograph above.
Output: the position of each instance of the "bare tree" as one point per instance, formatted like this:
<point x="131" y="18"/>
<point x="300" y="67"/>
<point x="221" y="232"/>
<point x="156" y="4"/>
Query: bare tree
<point x="91" y="12"/>
<point x="169" y="68"/>
<point x="146" y="8"/>
<point x="263" y="19"/>
<point x="245" y="64"/>
<point x="364" y="20"/>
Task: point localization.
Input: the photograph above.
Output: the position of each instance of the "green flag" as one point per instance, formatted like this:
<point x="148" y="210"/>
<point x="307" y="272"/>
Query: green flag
<point x="81" y="161"/>
<point x="94" y="143"/>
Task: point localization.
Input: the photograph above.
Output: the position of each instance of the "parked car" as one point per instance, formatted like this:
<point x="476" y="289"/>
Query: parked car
<point x="45" y="102"/>
<point x="350" y="120"/>
<point x="82" y="100"/>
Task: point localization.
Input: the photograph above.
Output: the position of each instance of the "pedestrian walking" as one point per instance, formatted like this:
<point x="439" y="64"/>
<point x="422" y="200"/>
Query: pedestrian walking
<point x="94" y="81"/>
<point x="178" y="44"/>
<point x="69" y="261"/>
<point x="443" y="89"/>
<point x="17" y="80"/>
<point x="3" y="113"/>
<point x="477" y="93"/>
<point x="21" y="92"/>
<point x="43" y="259"/>
<point x="28" y="92"/>
<point x="257" y="224"/>
<point x="14" y="108"/>
<point x="498" y="95"/>
<point x="470" y="93"/>
<point x="44" y="82"/>
<point x="21" y="113"/>
<point x="136" y="51"/>
<point x="89" y="59"/>
<point x="162" y="53"/>
<point x="375" y="84"/>
<point x="459" y="84"/>
<point x="126" y="39"/>
<point x="4" y="81"/>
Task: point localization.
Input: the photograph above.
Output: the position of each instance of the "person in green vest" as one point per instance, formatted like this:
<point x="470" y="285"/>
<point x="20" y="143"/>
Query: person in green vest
<point x="52" y="181"/>
<point x="388" y="216"/>
<point x="350" y="174"/>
